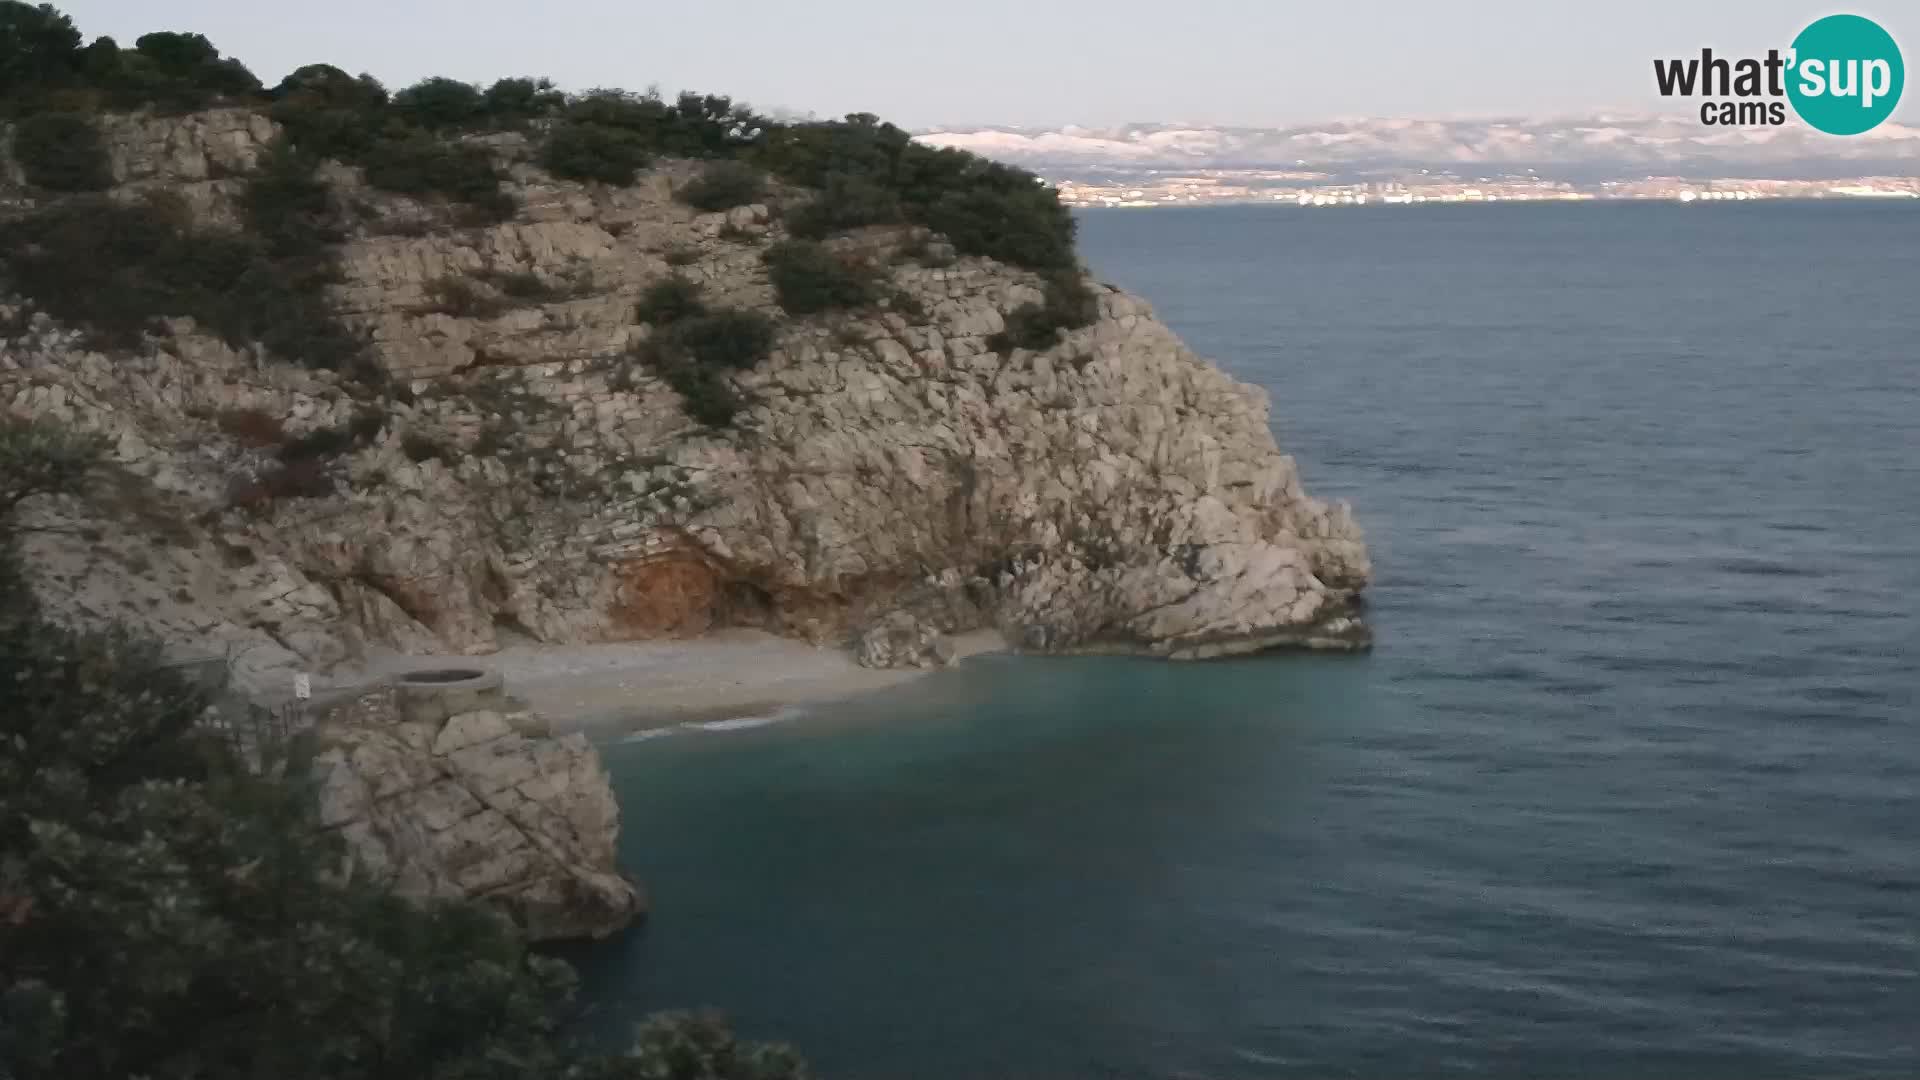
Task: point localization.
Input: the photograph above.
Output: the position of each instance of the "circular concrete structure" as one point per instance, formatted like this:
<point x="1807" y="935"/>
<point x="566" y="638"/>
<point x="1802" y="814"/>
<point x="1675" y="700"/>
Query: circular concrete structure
<point x="431" y="695"/>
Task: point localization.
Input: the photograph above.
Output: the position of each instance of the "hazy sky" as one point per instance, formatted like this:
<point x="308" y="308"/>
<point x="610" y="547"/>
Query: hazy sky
<point x="1024" y="61"/>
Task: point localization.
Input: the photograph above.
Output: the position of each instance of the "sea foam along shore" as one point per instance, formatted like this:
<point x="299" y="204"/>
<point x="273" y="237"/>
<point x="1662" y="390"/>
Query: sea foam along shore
<point x="657" y="684"/>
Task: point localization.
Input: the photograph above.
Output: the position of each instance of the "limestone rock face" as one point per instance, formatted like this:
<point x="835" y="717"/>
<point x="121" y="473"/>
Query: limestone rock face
<point x="467" y="805"/>
<point x="1114" y="491"/>
<point x="903" y="640"/>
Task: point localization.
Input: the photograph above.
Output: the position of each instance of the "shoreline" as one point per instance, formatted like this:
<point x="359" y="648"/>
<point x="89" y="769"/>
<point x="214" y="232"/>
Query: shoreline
<point x="632" y="687"/>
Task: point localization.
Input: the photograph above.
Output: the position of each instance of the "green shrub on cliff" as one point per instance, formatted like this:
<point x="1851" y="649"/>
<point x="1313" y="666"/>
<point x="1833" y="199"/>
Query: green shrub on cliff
<point x="1068" y="305"/>
<point x="696" y="353"/>
<point x="114" y="269"/>
<point x="669" y="300"/>
<point x="808" y="278"/>
<point x="39" y="52"/>
<point x="724" y="185"/>
<point x="170" y="72"/>
<point x="62" y="151"/>
<point x="726" y="339"/>
<point x="287" y="207"/>
<point x="866" y="172"/>
<point x="327" y="113"/>
<point x="984" y="208"/>
<point x="593" y="152"/>
<point x="845" y="201"/>
<point x="511" y="103"/>
<point x="438" y="104"/>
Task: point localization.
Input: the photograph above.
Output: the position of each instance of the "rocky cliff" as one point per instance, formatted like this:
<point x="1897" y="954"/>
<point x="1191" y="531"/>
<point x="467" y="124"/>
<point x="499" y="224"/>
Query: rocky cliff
<point x="456" y="791"/>
<point x="521" y="475"/>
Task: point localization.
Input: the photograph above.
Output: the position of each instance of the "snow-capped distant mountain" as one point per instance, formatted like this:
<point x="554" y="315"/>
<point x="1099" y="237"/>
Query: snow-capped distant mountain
<point x="1602" y="142"/>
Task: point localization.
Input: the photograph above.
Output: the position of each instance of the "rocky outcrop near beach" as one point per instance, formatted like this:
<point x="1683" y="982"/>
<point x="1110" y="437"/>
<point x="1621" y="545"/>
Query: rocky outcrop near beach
<point x="524" y="478"/>
<point x="457" y="792"/>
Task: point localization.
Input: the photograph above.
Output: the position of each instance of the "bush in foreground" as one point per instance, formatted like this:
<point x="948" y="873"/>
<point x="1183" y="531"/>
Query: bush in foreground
<point x="167" y="911"/>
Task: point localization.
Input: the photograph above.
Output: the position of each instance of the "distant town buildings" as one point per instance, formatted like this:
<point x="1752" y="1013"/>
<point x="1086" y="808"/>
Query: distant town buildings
<point x="1306" y="189"/>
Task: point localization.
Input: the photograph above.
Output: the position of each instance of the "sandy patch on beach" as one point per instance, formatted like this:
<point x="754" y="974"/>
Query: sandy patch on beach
<point x="733" y="673"/>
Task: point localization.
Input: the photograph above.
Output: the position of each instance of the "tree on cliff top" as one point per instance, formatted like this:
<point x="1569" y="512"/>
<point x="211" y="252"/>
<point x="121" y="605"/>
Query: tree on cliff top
<point x="166" y="912"/>
<point x="39" y="49"/>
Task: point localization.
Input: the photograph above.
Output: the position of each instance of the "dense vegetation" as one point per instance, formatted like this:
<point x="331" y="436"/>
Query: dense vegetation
<point x="695" y="349"/>
<point x="808" y="278"/>
<point x="868" y="172"/>
<point x="116" y="268"/>
<point x="724" y="185"/>
<point x="62" y="151"/>
<point x="168" y="911"/>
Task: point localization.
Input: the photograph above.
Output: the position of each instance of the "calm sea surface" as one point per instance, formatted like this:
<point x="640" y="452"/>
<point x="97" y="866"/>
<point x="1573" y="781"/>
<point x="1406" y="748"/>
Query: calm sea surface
<point x="1630" y="787"/>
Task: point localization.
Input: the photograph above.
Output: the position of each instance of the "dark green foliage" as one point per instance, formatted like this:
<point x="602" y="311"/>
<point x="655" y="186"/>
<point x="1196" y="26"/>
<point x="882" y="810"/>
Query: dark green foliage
<point x="170" y="914"/>
<point x="439" y="104"/>
<point x="421" y="165"/>
<point x="867" y="172"/>
<point x="685" y="1045"/>
<point x="324" y="84"/>
<point x="62" y="151"/>
<point x="167" y="911"/>
<point x="1069" y="305"/>
<point x="39" y="51"/>
<point x="116" y="269"/>
<point x="420" y="448"/>
<point x="585" y="151"/>
<point x="287" y="207"/>
<point x="511" y="103"/>
<point x="695" y="352"/>
<point x="846" y="201"/>
<point x="1021" y="222"/>
<point x="42" y="458"/>
<point x="174" y="73"/>
<point x="327" y="113"/>
<point x="170" y="72"/>
<point x="668" y="300"/>
<point x="726" y="339"/>
<point x="984" y="208"/>
<point x="707" y="396"/>
<point x="808" y="278"/>
<point x="724" y="185"/>
<point x="694" y="125"/>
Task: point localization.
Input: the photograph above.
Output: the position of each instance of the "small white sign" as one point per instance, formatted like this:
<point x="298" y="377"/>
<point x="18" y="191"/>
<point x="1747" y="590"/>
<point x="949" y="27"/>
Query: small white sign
<point x="303" y="686"/>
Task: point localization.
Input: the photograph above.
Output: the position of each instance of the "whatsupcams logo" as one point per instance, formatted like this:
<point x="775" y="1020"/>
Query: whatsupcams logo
<point x="1843" y="76"/>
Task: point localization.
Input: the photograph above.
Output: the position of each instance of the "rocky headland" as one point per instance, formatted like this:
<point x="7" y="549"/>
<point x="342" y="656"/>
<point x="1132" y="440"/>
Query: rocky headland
<point x="504" y="464"/>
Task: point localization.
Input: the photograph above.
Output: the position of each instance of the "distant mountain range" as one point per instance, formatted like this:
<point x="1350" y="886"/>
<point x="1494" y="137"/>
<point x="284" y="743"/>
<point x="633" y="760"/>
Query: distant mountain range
<point x="1599" y="146"/>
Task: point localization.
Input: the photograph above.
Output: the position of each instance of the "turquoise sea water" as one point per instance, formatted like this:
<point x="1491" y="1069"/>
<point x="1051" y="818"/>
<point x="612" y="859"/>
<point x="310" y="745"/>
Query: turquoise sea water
<point x="1631" y="785"/>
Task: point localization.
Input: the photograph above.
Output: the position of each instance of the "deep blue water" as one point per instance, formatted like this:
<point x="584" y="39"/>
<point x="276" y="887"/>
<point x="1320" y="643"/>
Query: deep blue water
<point x="1630" y="786"/>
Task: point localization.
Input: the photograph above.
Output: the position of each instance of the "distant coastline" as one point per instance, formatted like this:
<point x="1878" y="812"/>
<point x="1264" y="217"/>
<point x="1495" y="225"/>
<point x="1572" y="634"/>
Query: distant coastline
<point x="1226" y="188"/>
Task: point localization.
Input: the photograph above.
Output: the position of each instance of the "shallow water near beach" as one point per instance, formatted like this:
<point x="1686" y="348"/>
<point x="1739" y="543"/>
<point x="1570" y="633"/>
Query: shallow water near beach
<point x="1630" y="784"/>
